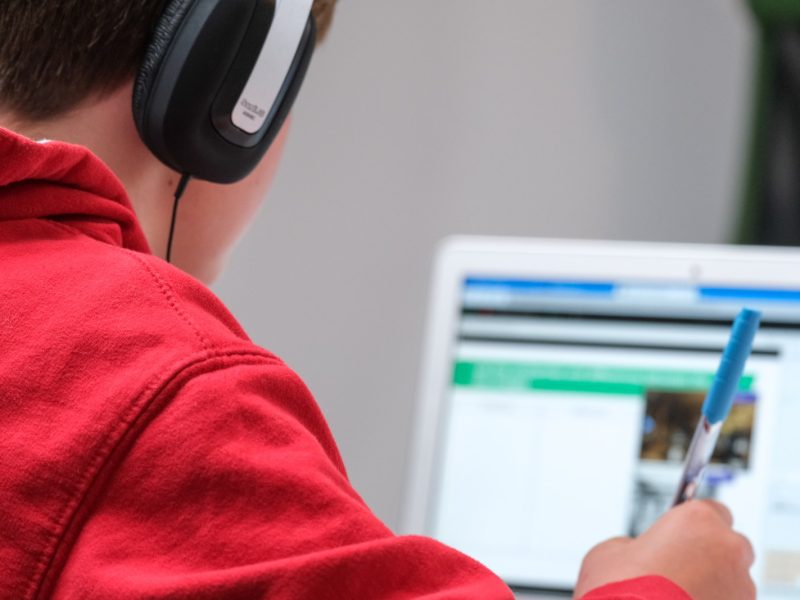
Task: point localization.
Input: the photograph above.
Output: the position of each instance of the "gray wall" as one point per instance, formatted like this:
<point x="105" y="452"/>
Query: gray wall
<point x="422" y="118"/>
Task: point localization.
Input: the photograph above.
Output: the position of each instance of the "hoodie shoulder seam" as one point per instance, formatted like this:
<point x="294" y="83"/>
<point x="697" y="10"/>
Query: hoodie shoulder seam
<point x="166" y="290"/>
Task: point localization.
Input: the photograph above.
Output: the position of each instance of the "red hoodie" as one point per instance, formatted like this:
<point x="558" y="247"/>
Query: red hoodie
<point x="148" y="449"/>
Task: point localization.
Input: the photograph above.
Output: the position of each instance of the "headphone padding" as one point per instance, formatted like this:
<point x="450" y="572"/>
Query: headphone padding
<point x="164" y="32"/>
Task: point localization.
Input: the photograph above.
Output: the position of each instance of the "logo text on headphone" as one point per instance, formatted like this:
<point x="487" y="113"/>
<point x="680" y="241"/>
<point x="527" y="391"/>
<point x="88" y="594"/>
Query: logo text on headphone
<point x="253" y="110"/>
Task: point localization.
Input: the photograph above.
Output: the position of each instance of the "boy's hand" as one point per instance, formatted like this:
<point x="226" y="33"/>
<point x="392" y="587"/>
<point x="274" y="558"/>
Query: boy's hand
<point x="693" y="545"/>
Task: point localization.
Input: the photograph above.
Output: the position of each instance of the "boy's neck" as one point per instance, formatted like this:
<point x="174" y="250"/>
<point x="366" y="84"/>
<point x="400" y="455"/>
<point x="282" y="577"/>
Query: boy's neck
<point x="105" y="126"/>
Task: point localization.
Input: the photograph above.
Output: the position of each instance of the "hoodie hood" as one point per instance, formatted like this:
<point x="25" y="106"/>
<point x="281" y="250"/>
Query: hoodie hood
<point x="66" y="183"/>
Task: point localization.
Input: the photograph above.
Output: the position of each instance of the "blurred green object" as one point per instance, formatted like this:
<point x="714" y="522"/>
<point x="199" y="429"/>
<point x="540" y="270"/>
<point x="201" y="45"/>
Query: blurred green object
<point x="776" y="12"/>
<point x="771" y="200"/>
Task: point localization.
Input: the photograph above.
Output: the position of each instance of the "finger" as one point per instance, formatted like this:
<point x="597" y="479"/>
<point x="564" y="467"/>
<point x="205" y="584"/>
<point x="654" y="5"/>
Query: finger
<point x="748" y="553"/>
<point x="749" y="589"/>
<point x="720" y="509"/>
<point x="610" y="543"/>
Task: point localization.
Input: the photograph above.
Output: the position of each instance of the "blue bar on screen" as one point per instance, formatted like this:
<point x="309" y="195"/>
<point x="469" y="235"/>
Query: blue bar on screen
<point x="607" y="289"/>
<point x="546" y="287"/>
<point x="753" y="294"/>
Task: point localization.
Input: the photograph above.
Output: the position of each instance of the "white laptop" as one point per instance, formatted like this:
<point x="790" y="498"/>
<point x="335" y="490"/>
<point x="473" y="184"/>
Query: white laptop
<point x="562" y="382"/>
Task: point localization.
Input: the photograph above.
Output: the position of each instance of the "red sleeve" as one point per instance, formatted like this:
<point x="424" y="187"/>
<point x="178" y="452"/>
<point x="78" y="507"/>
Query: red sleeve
<point x="236" y="491"/>
<point x="643" y="588"/>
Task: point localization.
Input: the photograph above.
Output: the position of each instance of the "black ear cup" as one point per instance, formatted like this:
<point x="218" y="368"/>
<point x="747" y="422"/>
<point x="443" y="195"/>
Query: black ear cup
<point x="202" y="54"/>
<point x="162" y="37"/>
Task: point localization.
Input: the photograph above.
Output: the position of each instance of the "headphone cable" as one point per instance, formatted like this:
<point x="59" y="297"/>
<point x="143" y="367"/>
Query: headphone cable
<point x="178" y="195"/>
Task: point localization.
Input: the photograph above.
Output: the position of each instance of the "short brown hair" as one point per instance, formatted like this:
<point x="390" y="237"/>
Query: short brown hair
<point x="56" y="53"/>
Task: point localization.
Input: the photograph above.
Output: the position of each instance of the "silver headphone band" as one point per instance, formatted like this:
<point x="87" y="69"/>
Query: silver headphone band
<point x="273" y="65"/>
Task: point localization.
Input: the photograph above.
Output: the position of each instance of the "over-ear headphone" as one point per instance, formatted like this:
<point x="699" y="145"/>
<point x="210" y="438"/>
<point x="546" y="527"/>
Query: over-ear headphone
<point x="218" y="80"/>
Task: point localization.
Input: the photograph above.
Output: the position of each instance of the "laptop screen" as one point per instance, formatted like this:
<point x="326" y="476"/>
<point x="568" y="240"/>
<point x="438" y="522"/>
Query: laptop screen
<point x="570" y="408"/>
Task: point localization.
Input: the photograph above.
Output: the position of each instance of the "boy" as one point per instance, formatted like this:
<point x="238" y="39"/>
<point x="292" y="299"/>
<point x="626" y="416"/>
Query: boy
<point x="147" y="448"/>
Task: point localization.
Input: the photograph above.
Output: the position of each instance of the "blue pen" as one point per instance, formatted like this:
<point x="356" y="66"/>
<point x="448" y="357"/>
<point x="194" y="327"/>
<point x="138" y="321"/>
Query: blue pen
<point x="718" y="403"/>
